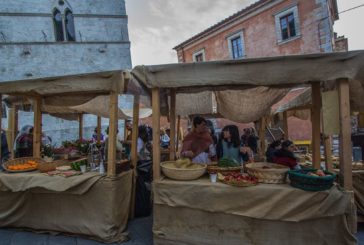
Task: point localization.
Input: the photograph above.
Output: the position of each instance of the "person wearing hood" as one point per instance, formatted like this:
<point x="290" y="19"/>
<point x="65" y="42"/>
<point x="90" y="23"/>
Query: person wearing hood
<point x="285" y="156"/>
<point x="24" y="142"/>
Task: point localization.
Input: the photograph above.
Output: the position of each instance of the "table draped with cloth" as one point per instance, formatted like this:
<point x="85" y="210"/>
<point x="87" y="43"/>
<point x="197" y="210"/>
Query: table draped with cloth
<point x="200" y="212"/>
<point x="89" y="205"/>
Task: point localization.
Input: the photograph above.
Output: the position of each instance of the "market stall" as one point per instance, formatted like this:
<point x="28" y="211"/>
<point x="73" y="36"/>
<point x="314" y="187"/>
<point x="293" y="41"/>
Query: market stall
<point x="90" y="204"/>
<point x="185" y="212"/>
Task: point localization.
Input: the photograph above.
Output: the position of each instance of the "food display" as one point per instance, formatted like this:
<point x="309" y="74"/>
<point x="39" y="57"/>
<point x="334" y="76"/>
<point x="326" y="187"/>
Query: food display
<point x="24" y="164"/>
<point x="227" y="162"/>
<point x="224" y="165"/>
<point x="269" y="173"/>
<point x="182" y="163"/>
<point x="182" y="170"/>
<point x="76" y="165"/>
<point x="238" y="179"/>
<point x="28" y="166"/>
<point x="311" y="179"/>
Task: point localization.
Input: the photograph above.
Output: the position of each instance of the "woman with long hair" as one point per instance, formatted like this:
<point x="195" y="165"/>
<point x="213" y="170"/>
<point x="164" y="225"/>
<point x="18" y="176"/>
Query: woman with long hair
<point x="229" y="145"/>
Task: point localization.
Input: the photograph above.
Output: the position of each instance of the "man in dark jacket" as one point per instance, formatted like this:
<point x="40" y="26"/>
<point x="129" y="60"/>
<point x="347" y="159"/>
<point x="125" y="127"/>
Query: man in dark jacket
<point x="5" y="154"/>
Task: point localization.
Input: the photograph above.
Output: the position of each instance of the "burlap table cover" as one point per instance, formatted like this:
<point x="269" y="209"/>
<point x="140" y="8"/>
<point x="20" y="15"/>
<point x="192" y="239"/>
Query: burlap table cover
<point x="98" y="211"/>
<point x="198" y="212"/>
<point x="358" y="184"/>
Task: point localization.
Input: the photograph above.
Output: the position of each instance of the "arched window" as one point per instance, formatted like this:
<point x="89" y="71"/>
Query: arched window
<point x="64" y="24"/>
<point x="58" y="25"/>
<point x="70" y="26"/>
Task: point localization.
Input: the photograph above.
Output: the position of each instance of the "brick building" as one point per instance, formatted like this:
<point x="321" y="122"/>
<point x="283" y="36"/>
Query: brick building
<point x="269" y="28"/>
<point x="266" y="28"/>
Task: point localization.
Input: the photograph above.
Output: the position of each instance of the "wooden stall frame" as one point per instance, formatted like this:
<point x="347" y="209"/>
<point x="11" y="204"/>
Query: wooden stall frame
<point x="316" y="124"/>
<point x="285" y="125"/>
<point x="134" y="151"/>
<point x="172" y="116"/>
<point x="346" y="175"/>
<point x="80" y="126"/>
<point x="98" y="129"/>
<point x="37" y="131"/>
<point x="156" y="133"/>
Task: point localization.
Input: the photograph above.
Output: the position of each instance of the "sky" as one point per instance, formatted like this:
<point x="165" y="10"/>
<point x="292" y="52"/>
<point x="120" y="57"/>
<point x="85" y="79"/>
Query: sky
<point x="156" y="26"/>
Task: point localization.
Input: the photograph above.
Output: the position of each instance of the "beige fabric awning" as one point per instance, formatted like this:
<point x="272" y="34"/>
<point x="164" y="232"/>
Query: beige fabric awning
<point x="249" y="86"/>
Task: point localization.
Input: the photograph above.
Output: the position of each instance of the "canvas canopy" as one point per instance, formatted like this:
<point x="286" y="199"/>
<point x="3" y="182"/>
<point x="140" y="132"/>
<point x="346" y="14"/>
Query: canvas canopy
<point x="248" y="86"/>
<point x="68" y="106"/>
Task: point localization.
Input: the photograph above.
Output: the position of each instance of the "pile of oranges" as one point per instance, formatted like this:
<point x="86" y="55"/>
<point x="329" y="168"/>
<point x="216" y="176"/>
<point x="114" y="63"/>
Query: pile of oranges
<point x="23" y="166"/>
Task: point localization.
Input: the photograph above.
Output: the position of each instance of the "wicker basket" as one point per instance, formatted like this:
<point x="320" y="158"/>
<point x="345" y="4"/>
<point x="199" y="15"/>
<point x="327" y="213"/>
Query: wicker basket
<point x="173" y="172"/>
<point x="273" y="174"/>
<point x="22" y="160"/>
<point x="213" y="168"/>
<point x="301" y="180"/>
<point x="47" y="167"/>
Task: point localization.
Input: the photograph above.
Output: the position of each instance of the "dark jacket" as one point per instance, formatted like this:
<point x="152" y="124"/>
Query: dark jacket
<point x="286" y="158"/>
<point x="5" y="154"/>
<point x="270" y="154"/>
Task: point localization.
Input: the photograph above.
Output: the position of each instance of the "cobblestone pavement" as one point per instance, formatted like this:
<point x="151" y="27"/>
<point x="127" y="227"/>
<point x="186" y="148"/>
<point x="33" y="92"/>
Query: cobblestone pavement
<point x="140" y="233"/>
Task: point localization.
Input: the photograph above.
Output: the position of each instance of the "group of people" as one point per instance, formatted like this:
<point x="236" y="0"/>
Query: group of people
<point x="23" y="144"/>
<point x="201" y="145"/>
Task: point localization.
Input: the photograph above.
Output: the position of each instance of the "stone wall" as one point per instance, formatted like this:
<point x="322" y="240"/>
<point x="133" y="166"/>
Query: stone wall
<point x="29" y="49"/>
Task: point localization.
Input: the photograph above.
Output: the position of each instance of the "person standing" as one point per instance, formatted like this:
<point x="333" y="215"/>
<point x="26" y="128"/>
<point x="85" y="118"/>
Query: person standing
<point x="198" y="144"/>
<point x="5" y="154"/>
<point x="24" y="142"/>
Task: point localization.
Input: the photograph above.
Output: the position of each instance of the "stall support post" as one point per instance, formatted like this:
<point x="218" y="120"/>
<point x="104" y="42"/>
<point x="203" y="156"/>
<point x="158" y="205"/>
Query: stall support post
<point x="156" y="133"/>
<point x="315" y="119"/>
<point x="98" y="130"/>
<point x="80" y="126"/>
<point x="134" y="153"/>
<point x="262" y="138"/>
<point x="11" y="130"/>
<point x="172" y="116"/>
<point x="37" y="131"/>
<point x="178" y="132"/>
<point x="345" y="177"/>
<point x="285" y="125"/>
<point x="134" y="132"/>
<point x="328" y="154"/>
<point x="111" y="153"/>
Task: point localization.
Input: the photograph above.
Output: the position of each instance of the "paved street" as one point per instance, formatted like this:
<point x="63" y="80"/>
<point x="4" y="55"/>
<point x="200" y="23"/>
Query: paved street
<point x="140" y="233"/>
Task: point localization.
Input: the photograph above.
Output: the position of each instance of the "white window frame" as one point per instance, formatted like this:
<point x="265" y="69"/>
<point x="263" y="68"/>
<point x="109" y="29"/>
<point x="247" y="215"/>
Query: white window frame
<point x="292" y="10"/>
<point x="201" y="51"/>
<point x="232" y="37"/>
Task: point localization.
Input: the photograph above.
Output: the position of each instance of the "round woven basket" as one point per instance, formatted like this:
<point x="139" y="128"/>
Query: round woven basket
<point x="274" y="174"/>
<point x="175" y="173"/>
<point x="22" y="160"/>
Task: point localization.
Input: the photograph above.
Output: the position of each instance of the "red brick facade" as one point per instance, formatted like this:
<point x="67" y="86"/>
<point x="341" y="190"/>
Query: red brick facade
<point x="261" y="33"/>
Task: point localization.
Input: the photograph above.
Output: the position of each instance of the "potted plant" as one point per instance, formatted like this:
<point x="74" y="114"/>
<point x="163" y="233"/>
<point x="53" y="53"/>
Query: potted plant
<point x="48" y="152"/>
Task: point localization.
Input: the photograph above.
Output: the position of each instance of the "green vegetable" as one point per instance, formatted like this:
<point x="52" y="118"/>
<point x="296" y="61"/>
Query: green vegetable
<point x="227" y="162"/>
